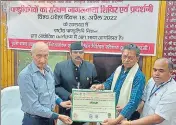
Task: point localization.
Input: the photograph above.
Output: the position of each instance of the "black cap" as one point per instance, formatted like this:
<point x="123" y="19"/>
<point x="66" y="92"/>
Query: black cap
<point x="76" y="46"/>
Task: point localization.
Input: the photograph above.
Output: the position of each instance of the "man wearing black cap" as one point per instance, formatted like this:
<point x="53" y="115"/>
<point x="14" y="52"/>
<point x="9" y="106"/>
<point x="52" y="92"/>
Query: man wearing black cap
<point x="73" y="73"/>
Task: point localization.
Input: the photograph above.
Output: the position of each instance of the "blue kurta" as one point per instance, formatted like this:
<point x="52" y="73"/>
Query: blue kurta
<point x="136" y="92"/>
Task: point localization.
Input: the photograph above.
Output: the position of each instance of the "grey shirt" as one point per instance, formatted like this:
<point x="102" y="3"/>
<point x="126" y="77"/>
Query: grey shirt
<point x="37" y="91"/>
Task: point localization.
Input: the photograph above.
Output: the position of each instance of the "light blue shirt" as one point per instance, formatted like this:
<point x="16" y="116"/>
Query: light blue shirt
<point x="162" y="102"/>
<point x="37" y="91"/>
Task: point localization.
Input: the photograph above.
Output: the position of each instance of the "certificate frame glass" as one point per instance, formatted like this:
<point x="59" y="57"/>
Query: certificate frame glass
<point x="92" y="106"/>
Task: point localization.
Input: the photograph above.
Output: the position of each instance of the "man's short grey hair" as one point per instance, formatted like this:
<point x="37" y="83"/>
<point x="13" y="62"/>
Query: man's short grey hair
<point x="170" y="65"/>
<point x="132" y="47"/>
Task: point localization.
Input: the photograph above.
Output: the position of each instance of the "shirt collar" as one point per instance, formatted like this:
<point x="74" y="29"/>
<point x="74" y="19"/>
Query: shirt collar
<point x="36" y="69"/>
<point x="162" y="84"/>
<point x="124" y="69"/>
<point x="75" y="65"/>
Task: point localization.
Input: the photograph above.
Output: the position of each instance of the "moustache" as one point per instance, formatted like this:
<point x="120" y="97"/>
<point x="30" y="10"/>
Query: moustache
<point x="78" y="57"/>
<point x="126" y="63"/>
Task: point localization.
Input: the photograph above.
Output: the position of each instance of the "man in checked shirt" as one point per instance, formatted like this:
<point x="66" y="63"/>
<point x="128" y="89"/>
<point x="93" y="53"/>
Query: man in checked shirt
<point x="128" y="82"/>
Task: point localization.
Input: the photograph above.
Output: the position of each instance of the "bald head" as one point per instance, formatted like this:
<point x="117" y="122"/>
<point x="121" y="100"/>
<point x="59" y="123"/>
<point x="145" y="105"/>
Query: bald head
<point x="40" y="53"/>
<point x="167" y="62"/>
<point x="162" y="70"/>
<point x="38" y="46"/>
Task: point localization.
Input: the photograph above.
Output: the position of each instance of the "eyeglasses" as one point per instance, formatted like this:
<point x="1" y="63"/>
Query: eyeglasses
<point x="77" y="51"/>
<point x="128" y="57"/>
<point x="40" y="56"/>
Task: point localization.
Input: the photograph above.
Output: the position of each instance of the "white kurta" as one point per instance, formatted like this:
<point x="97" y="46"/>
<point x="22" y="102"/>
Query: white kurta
<point x="162" y="103"/>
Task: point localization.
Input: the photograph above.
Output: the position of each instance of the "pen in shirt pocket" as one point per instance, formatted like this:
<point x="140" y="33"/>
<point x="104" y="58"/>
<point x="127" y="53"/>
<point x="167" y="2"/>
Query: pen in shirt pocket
<point x="90" y="80"/>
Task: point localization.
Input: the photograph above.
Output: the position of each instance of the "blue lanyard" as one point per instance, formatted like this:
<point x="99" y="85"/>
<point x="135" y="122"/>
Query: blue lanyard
<point x="153" y="92"/>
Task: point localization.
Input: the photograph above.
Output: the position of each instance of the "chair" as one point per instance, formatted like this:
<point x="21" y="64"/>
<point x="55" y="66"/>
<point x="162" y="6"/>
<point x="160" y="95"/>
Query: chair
<point x="11" y="112"/>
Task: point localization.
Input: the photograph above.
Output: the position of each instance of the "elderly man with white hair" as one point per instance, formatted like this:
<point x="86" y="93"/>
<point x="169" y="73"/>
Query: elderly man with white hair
<point x="37" y="90"/>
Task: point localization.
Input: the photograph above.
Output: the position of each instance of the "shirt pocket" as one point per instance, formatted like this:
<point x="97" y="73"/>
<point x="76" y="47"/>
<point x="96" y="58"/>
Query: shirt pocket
<point x="40" y="85"/>
<point x="155" y="100"/>
<point x="50" y="84"/>
<point x="41" y="88"/>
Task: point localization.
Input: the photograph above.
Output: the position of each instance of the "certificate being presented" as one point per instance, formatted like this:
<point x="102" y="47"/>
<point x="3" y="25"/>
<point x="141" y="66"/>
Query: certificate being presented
<point x="92" y="106"/>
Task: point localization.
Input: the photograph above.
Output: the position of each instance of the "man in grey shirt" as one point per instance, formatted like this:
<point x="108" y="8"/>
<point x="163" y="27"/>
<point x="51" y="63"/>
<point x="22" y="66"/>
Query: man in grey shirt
<point x="37" y="90"/>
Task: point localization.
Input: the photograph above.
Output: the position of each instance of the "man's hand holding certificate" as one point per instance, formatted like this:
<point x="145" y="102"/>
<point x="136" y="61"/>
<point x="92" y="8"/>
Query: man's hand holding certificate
<point x="92" y="106"/>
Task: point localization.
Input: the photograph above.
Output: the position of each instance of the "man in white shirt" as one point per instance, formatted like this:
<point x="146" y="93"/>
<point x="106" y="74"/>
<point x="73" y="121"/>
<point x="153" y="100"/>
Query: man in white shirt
<point x="159" y="99"/>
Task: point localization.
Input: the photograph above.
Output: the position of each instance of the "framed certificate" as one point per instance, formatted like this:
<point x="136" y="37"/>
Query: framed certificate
<point x="92" y="106"/>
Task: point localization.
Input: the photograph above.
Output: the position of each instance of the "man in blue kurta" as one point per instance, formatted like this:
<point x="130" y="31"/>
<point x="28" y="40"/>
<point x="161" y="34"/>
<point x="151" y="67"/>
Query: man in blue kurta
<point x="128" y="82"/>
